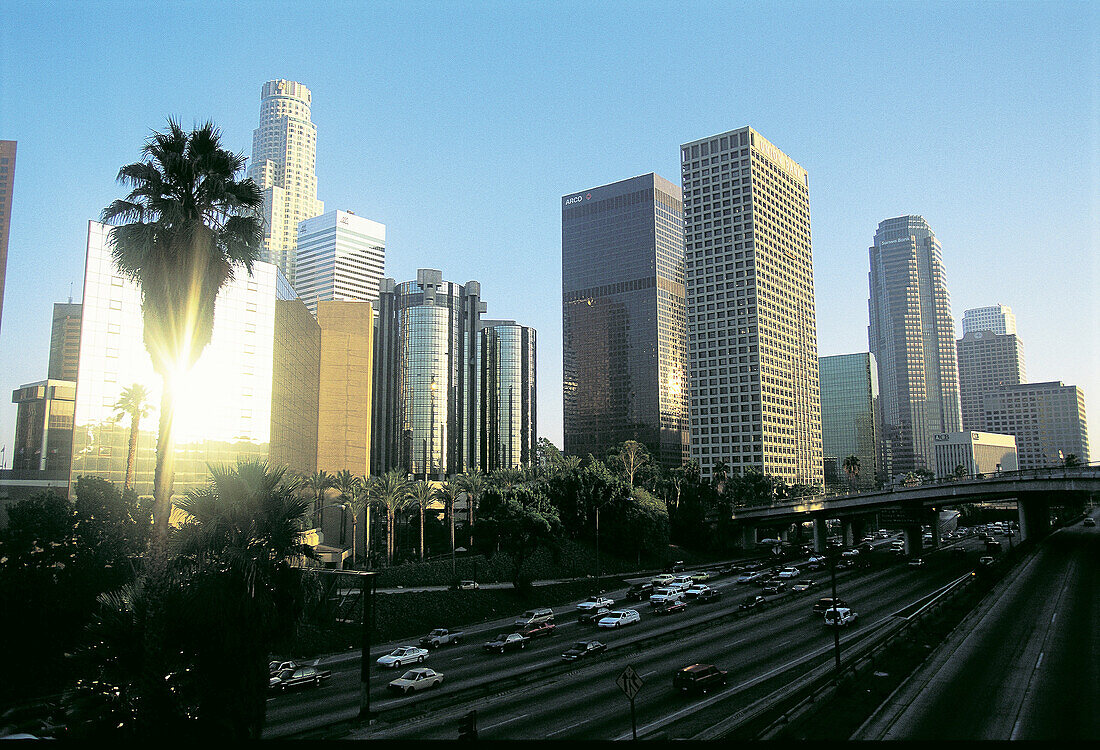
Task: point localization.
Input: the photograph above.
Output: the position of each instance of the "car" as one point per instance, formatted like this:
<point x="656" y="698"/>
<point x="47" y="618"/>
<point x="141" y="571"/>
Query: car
<point x="297" y="677"/>
<point x="749" y="577"/>
<point x="662" y="579"/>
<point x="827" y="602"/>
<point x="619" y="618"/>
<point x="802" y="585"/>
<point x="790" y="572"/>
<point x="986" y="560"/>
<point x="590" y="616"/>
<point x="1089" y="521"/>
<point x="916" y="562"/>
<point x="699" y="678"/>
<point x="701" y="576"/>
<point x="958" y="551"/>
<point x="581" y="649"/>
<point x="815" y="566"/>
<point x="754" y="566"/>
<point x="696" y="590"/>
<point x="850" y="553"/>
<point x="666" y="594"/>
<point x="729" y="569"/>
<point x="416" y="679"/>
<point x="752" y="602"/>
<point x="773" y="588"/>
<point x="845" y="563"/>
<point x="840" y="616"/>
<point x="882" y="534"/>
<point x="676" y="567"/>
<point x="472" y="585"/>
<point x="682" y="582"/>
<point x="639" y="591"/>
<point x="667" y="608"/>
<point x="534" y="617"/>
<point x="708" y="596"/>
<point x="441" y="637"/>
<point x="402" y="655"/>
<point x="276" y="666"/>
<point x="539" y="629"/>
<point x="595" y="602"/>
<point x="506" y="642"/>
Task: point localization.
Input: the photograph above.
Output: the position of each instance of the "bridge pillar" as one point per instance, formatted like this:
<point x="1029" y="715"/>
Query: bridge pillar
<point x="1034" y="517"/>
<point x="912" y="540"/>
<point x="859" y="528"/>
<point x="785" y="534"/>
<point x="849" y="532"/>
<point x="820" y="534"/>
<point x="748" y="537"/>
<point x="935" y="530"/>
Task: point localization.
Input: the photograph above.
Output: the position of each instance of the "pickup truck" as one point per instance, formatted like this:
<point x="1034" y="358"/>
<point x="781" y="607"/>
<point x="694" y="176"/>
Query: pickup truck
<point x="297" y="677"/>
<point x="441" y="637"/>
<point x="595" y="602"/>
<point x="506" y="642"/>
<point x="840" y="616"/>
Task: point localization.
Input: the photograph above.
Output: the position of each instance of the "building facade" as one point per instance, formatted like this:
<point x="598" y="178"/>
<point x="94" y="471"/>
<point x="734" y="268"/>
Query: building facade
<point x="7" y="188"/>
<point x="346" y="360"/>
<point x="340" y="256"/>
<point x="506" y="363"/>
<point x="64" y="342"/>
<point x="623" y="319"/>
<point x="912" y="336"/>
<point x="43" y="426"/>
<point x="1047" y="419"/>
<point x="987" y="362"/>
<point x="751" y="327"/>
<point x="997" y="318"/>
<point x="972" y="453"/>
<point x="850" y="420"/>
<point x="283" y="166"/>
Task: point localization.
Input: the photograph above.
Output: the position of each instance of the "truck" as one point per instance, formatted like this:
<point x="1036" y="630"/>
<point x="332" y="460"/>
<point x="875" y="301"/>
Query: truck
<point x="440" y="637"/>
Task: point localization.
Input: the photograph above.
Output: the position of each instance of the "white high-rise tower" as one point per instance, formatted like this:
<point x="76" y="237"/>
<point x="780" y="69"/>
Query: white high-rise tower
<point x="340" y="257"/>
<point x="284" y="158"/>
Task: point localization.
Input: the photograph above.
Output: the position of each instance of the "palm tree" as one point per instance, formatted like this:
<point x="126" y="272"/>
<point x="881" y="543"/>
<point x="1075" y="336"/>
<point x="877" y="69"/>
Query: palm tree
<point x="185" y="226"/>
<point x="318" y="481"/>
<point x="357" y="499"/>
<point x="391" y="491"/>
<point x="474" y="484"/>
<point x="422" y="495"/>
<point x="350" y="487"/>
<point x="132" y="402"/>
<point x="449" y="493"/>
<point x="851" y="468"/>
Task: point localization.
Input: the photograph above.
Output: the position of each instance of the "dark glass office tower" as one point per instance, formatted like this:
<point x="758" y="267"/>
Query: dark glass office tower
<point x="625" y="360"/>
<point x="850" y="419"/>
<point x="508" y="398"/>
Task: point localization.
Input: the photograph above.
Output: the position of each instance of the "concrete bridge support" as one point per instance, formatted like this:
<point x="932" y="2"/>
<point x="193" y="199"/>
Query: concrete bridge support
<point x="859" y="529"/>
<point x="748" y="537"/>
<point x="1034" y="518"/>
<point x="821" y="533"/>
<point x="935" y="524"/>
<point x="912" y="540"/>
<point x="785" y="534"/>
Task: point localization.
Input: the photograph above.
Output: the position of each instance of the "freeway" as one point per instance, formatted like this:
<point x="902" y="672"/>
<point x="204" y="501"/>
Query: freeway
<point x="581" y="701"/>
<point x="1026" y="664"/>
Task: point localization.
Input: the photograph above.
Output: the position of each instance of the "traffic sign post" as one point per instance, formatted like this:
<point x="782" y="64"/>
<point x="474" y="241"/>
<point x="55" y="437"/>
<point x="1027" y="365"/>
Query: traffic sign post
<point x="630" y="682"/>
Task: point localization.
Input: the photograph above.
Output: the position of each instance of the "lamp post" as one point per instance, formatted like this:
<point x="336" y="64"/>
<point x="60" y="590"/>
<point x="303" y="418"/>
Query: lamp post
<point x="431" y="438"/>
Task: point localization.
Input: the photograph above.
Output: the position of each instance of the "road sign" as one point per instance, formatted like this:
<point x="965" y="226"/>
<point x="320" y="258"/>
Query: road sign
<point x="630" y="682"/>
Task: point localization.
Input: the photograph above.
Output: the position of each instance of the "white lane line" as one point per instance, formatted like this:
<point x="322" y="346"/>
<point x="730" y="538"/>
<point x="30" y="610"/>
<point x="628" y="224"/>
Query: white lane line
<point x="649" y="674"/>
<point x="1040" y="660"/>
<point x="502" y="723"/>
<point x="739" y="640"/>
<point x="566" y="729"/>
<point x="1053" y="617"/>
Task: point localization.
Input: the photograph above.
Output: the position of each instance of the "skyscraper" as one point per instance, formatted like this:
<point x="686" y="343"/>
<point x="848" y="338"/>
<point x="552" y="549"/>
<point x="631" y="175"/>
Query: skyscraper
<point x="912" y="336"/>
<point x="996" y="318"/>
<point x="7" y="187"/>
<point x="509" y="423"/>
<point x="340" y="257"/>
<point x="64" y="341"/>
<point x="850" y="418"/>
<point x="752" y="333"/>
<point x="284" y="156"/>
<point x="987" y="362"/>
<point x="625" y="359"/>
<point x="1048" y="420"/>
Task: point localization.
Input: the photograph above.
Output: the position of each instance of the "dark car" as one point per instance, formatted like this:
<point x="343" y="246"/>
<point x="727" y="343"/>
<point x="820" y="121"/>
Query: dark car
<point x="676" y="567"/>
<point x="753" y="566"/>
<point x="639" y="592"/>
<point x="699" y="678"/>
<point x="581" y="649"/>
<point x="506" y="642"/>
<point x="297" y="677"/>
<point x="752" y="602"/>
<point x="592" y="615"/>
<point x="668" y="607"/>
<point x="539" y="629"/>
<point x="708" y="596"/>
<point x="827" y="603"/>
<point x="772" y="588"/>
<point x="730" y="569"/>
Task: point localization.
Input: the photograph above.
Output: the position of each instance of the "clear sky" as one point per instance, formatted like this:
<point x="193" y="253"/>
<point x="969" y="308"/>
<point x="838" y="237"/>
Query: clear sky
<point x="459" y="125"/>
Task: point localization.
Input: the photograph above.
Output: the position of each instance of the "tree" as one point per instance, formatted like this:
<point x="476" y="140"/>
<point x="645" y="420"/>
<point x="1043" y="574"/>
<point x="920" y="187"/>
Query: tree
<point x="390" y="491"/>
<point x="185" y="226"/>
<point x="357" y="499"/>
<point x="1071" y="461"/>
<point x="421" y="496"/>
<point x="960" y="471"/>
<point x="851" y="468"/>
<point x="718" y="474"/>
<point x="549" y="458"/>
<point x="449" y="492"/>
<point x="134" y="403"/>
<point x="350" y="487"/>
<point x="474" y="483"/>
<point x="319" y="481"/>
<point x="632" y="456"/>
<point x="518" y="521"/>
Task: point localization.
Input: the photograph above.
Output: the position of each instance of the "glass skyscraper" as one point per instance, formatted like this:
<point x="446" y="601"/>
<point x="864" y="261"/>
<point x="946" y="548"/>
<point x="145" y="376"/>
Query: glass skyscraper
<point x="912" y="336"/>
<point x="850" y="418"/>
<point x="508" y="399"/>
<point x="624" y="358"/>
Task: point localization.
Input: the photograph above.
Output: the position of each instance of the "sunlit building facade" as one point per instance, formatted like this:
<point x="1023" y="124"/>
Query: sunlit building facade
<point x="988" y="361"/>
<point x="623" y="324"/>
<point x="850" y="419"/>
<point x="997" y="318"/>
<point x="509" y="422"/>
<point x="43" y="426"/>
<point x="1047" y="419"/>
<point x="340" y="256"/>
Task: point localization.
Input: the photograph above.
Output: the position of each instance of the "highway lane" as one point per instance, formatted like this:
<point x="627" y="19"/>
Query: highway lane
<point x="585" y="703"/>
<point x="1026" y="667"/>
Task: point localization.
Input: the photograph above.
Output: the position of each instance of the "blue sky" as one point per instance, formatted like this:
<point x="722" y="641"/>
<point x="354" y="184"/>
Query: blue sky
<point x="461" y="125"/>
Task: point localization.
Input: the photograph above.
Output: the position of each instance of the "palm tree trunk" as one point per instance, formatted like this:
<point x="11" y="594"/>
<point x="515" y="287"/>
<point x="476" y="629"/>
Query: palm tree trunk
<point x="390" y="536"/>
<point x="470" y="518"/>
<point x="131" y="455"/>
<point x="164" y="476"/>
<point x="366" y="538"/>
<point x="354" y="533"/>
<point x="452" y="514"/>
<point x="421" y="533"/>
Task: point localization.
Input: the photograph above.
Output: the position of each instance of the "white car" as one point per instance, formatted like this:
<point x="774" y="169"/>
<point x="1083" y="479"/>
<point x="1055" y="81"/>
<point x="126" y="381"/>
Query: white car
<point x="416" y="679"/>
<point x="850" y="553"/>
<point x="681" y="582"/>
<point x="620" y="617"/>
<point x="749" y="577"/>
<point x="788" y="572"/>
<point x="696" y="590"/>
<point x="663" y="595"/>
<point x="662" y="579"/>
<point x="817" y="559"/>
<point x="802" y="585"/>
<point x="595" y="602"/>
<point x="403" y="655"/>
<point x="840" y="616"/>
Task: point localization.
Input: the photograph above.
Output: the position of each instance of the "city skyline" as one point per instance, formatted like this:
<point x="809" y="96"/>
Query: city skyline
<point x="525" y="156"/>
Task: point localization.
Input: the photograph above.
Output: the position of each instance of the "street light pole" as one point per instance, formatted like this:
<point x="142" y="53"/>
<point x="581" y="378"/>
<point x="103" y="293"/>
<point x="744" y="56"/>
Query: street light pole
<point x="597" y="548"/>
<point x="836" y="624"/>
<point x="367" y="587"/>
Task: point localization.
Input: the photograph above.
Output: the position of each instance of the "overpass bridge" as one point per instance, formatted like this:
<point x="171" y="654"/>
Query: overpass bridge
<point x="911" y="506"/>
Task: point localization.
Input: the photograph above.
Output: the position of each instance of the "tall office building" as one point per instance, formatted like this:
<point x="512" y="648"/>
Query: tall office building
<point x="43" y="426"/>
<point x="912" y="336"/>
<point x="987" y="362"/>
<point x="625" y="359"/>
<point x="850" y="419"/>
<point x="509" y="423"/>
<point x="997" y="318"/>
<point x="340" y="257"/>
<point x="64" y="341"/>
<point x="752" y="334"/>
<point x="7" y="187"/>
<point x="284" y="156"/>
<point x="1048" y="420"/>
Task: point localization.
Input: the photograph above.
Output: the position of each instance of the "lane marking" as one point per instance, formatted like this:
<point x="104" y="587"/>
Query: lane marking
<point x="566" y="729"/>
<point x="506" y="721"/>
<point x="1040" y="660"/>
